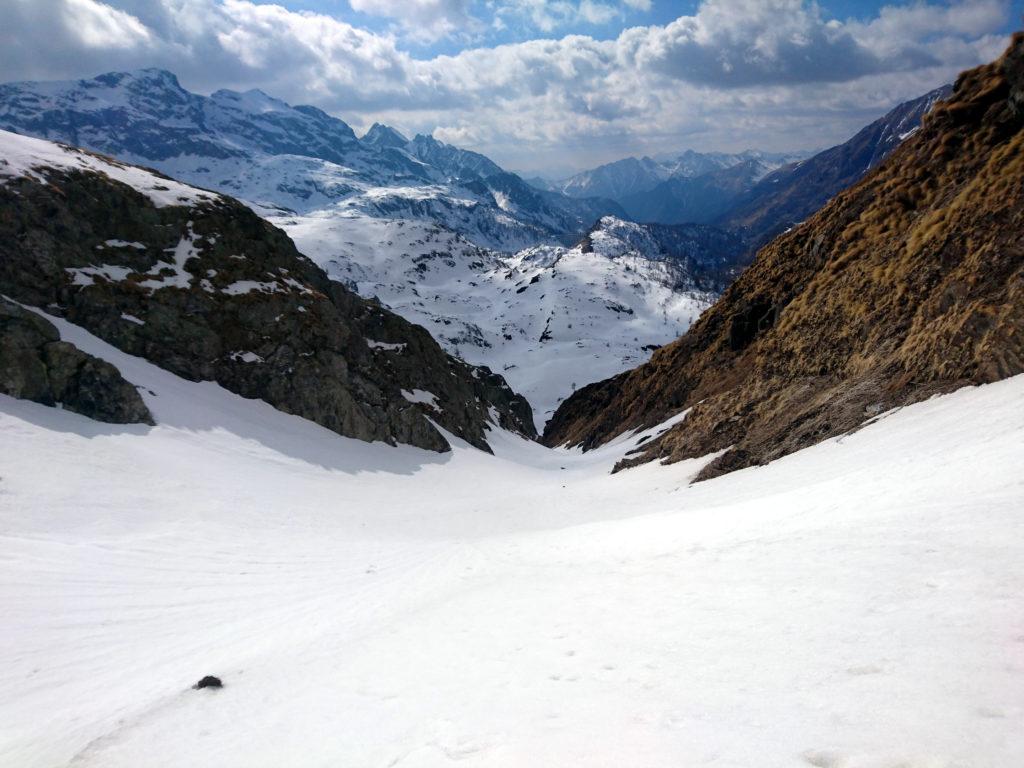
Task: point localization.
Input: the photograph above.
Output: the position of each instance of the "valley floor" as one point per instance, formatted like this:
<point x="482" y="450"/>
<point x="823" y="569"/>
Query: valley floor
<point x="855" y="605"/>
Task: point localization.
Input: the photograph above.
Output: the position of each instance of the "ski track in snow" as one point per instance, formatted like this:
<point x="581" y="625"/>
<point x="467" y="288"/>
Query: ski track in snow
<point x="854" y="605"/>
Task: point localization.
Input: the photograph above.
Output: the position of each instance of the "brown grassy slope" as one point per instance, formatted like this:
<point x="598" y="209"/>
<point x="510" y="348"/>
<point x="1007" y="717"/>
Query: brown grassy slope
<point x="908" y="284"/>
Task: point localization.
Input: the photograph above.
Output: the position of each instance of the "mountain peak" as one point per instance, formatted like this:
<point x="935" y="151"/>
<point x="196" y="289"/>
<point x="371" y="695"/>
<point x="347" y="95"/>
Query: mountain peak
<point x="381" y="135"/>
<point x="153" y="76"/>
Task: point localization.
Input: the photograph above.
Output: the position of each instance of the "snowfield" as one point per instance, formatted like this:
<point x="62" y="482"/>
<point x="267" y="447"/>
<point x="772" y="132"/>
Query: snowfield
<point x="855" y="605"/>
<point x="549" y="319"/>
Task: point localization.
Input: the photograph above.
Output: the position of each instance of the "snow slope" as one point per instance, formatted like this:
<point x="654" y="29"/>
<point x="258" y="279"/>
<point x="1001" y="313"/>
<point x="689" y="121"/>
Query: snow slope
<point x="24" y="155"/>
<point x="548" y="318"/>
<point x="854" y="605"/>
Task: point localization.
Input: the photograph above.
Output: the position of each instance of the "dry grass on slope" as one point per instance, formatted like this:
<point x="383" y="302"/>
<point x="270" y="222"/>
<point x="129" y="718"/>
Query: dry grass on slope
<point x="908" y="284"/>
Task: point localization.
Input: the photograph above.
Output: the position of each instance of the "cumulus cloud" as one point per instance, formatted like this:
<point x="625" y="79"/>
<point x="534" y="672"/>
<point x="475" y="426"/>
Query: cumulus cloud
<point x="98" y="25"/>
<point x="549" y="15"/>
<point x="425" y="20"/>
<point x="770" y="73"/>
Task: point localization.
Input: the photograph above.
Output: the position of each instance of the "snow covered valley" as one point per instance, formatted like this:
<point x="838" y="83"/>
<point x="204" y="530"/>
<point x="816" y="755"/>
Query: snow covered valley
<point x="549" y="319"/>
<point x="853" y="605"/>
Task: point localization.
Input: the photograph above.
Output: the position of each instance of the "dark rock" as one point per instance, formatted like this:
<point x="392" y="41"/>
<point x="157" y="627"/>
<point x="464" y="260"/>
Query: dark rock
<point x="216" y="293"/>
<point x="209" y="682"/>
<point x="36" y="365"/>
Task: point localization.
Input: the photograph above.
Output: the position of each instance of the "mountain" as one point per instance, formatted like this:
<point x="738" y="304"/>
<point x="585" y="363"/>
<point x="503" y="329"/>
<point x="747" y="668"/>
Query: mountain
<point x="762" y="194"/>
<point x="790" y="194"/>
<point x="630" y="177"/>
<point x="616" y="180"/>
<point x="381" y="136"/>
<point x="910" y="283"/>
<point x="266" y="152"/>
<point x="200" y="285"/>
<point x="695" y="199"/>
<point x="548" y="317"/>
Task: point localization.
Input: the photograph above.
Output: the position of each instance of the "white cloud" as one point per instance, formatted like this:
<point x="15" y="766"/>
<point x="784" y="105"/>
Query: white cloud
<point x="549" y="15"/>
<point x="424" y="20"/>
<point x="98" y="25"/>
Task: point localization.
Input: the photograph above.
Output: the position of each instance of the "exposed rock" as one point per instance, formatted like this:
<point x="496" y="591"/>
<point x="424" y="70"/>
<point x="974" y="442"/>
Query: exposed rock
<point x="212" y="292"/>
<point x="909" y="284"/>
<point x="36" y="365"/>
<point x="209" y="682"/>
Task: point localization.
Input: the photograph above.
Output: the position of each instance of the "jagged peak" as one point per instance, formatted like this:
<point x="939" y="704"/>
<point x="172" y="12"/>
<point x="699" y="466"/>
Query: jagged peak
<point x="381" y="135"/>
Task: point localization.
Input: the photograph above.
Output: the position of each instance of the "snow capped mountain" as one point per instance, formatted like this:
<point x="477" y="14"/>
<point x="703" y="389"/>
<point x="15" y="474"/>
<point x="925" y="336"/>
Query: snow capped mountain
<point x="548" y="318"/>
<point x="263" y="150"/>
<point x="624" y="179"/>
<point x="381" y="136"/>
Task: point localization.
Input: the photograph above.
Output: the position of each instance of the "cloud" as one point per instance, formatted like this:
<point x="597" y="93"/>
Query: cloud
<point x="425" y="20"/>
<point x="549" y="15"/>
<point x="738" y="43"/>
<point x="770" y="73"/>
<point x="98" y="25"/>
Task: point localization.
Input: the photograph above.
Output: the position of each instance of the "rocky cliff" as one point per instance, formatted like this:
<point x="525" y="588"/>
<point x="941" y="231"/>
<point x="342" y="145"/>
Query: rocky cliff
<point x="200" y="285"/>
<point x="909" y="284"/>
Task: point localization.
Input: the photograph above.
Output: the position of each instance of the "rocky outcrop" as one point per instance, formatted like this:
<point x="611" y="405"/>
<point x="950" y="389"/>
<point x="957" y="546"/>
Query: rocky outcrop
<point x="909" y="284"/>
<point x="36" y="365"/>
<point x="209" y="291"/>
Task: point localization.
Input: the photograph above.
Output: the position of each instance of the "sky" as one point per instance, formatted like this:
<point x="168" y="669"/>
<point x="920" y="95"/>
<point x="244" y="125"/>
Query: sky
<point x="541" y="86"/>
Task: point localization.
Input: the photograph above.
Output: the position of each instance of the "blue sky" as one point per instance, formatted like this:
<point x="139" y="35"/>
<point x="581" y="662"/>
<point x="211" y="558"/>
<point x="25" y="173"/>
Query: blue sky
<point x="541" y="86"/>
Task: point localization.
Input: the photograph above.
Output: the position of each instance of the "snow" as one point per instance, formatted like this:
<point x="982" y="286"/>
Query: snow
<point x="121" y="244"/>
<point x="421" y="396"/>
<point x="178" y="277"/>
<point x="856" y="604"/>
<point x="240" y="287"/>
<point x="386" y="346"/>
<point x="549" y="319"/>
<point x="26" y="156"/>
<point x="132" y="319"/>
<point x="88" y="275"/>
<point x="246" y="357"/>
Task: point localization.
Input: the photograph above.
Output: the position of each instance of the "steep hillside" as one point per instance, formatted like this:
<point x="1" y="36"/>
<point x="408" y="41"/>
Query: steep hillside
<point x="909" y="284"/>
<point x="201" y="286"/>
<point x="790" y="194"/>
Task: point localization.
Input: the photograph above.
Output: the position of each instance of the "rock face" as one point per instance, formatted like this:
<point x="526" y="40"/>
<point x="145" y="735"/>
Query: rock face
<point x="909" y="284"/>
<point x="36" y="365"/>
<point x="210" y="291"/>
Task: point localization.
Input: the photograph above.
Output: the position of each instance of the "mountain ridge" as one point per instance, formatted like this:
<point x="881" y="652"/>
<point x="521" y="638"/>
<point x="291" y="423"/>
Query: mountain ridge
<point x="260" y="149"/>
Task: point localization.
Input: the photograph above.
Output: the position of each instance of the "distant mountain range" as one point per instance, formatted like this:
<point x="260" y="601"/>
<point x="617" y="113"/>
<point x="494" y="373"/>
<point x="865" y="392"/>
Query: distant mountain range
<point x="692" y="187"/>
<point x="759" y="193"/>
<point x="297" y="158"/>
